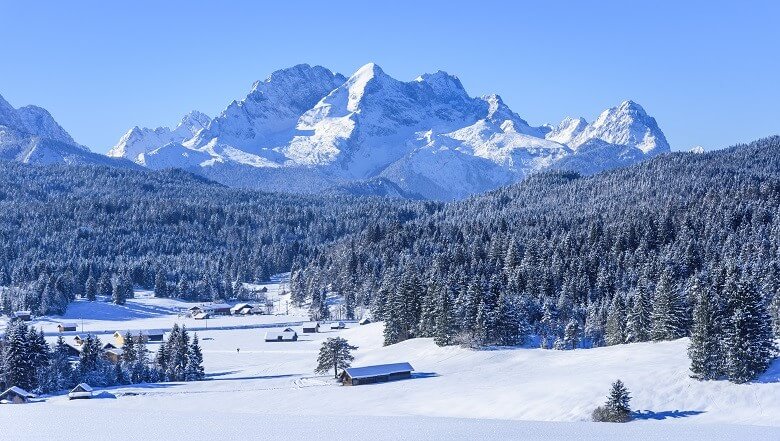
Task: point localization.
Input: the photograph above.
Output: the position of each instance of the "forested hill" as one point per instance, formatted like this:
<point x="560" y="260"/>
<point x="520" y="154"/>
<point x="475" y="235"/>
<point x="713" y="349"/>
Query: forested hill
<point x="68" y="231"/>
<point x="617" y="257"/>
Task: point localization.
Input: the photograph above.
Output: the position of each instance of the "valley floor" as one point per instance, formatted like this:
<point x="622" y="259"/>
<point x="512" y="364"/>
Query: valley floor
<point x="268" y="390"/>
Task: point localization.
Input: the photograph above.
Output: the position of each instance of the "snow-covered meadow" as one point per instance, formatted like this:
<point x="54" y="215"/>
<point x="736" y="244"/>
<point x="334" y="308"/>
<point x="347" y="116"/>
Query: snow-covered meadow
<point x="270" y="390"/>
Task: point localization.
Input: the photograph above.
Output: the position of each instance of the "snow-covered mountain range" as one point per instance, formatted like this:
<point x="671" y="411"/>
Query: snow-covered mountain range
<point x="307" y="129"/>
<point x="29" y="134"/>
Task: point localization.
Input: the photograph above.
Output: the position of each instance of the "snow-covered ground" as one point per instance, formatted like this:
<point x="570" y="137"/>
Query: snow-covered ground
<point x="269" y="390"/>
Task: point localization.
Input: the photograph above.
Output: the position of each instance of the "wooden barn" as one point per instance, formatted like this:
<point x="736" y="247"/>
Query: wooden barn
<point x="338" y="325"/>
<point x="24" y="316"/>
<point x="311" y="327"/>
<point x="286" y="335"/>
<point x="15" y="395"/>
<point x="66" y="327"/>
<point x="376" y="374"/>
<point x="201" y="316"/>
<point x="81" y="392"/>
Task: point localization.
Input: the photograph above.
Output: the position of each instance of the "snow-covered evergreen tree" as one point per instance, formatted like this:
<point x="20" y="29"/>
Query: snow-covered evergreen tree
<point x="706" y="335"/>
<point x="748" y="342"/>
<point x="194" y="370"/>
<point x="335" y="354"/>
<point x="668" y="315"/>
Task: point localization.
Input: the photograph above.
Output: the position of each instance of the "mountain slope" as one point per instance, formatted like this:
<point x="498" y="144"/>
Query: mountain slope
<point x="31" y="135"/>
<point x="427" y="137"/>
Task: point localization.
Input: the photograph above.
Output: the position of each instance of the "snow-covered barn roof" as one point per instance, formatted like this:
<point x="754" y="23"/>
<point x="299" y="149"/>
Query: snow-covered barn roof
<point x="18" y="391"/>
<point x="68" y="325"/>
<point x="82" y="387"/>
<point x="287" y="333"/>
<point x="380" y="369"/>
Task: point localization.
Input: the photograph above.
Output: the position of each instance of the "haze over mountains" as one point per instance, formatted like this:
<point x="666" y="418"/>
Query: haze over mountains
<point x="307" y="130"/>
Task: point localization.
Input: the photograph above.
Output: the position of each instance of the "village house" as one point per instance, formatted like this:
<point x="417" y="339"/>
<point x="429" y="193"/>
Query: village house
<point x="66" y="327"/>
<point x="311" y="327"/>
<point x="217" y="308"/>
<point x="79" y="339"/>
<point x="114" y="355"/>
<point x="242" y="309"/>
<point x="73" y="349"/>
<point x="15" y="395"/>
<point x="143" y="336"/>
<point x="286" y="335"/>
<point x="201" y="316"/>
<point x="80" y="392"/>
<point x="376" y="374"/>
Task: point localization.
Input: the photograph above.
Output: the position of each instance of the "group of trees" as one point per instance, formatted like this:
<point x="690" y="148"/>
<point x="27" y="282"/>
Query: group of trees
<point x="71" y="231"/>
<point x="27" y="361"/>
<point x="565" y="261"/>
<point x="558" y="260"/>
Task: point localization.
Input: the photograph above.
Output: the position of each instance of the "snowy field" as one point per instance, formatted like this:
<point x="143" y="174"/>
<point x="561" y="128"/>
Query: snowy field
<point x="269" y="390"/>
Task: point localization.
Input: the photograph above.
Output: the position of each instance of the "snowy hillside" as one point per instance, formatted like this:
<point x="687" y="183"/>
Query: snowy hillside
<point x="509" y="392"/>
<point x="426" y="137"/>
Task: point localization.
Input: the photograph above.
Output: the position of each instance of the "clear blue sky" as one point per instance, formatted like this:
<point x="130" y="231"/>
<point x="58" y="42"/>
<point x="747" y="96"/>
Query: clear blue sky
<point x="708" y="71"/>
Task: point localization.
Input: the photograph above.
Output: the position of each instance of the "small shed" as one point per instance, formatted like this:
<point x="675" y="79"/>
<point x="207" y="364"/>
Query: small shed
<point x="80" y="392"/>
<point x="66" y="327"/>
<point x="241" y="309"/>
<point x="376" y="374"/>
<point x="155" y="335"/>
<point x="24" y="316"/>
<point x="286" y="335"/>
<point x="201" y="316"/>
<point x="15" y="395"/>
<point x="364" y="321"/>
<point x="338" y="325"/>
<point x="311" y="327"/>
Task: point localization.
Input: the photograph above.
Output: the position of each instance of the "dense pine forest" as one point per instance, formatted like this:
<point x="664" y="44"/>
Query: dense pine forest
<point x="682" y="245"/>
<point x="78" y="231"/>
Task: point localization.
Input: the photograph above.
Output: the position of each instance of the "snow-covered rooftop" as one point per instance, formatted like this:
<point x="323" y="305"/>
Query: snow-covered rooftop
<point x="380" y="369"/>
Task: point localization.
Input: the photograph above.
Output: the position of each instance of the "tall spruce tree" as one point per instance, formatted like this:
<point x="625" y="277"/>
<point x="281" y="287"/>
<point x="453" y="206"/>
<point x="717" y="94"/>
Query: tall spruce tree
<point x="668" y="310"/>
<point x="705" y="347"/>
<point x="748" y="343"/>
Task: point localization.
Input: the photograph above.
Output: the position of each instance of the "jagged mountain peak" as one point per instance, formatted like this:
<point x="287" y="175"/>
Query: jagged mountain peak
<point x="625" y="124"/>
<point x="567" y="130"/>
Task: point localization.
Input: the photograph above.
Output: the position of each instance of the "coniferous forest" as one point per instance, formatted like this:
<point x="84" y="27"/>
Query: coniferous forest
<point x="681" y="245"/>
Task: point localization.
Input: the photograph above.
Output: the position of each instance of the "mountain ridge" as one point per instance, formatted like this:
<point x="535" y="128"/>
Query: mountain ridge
<point x="426" y="136"/>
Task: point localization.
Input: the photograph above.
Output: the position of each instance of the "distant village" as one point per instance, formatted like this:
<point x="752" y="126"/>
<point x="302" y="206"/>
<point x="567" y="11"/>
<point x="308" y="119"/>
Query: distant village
<point x="114" y="347"/>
